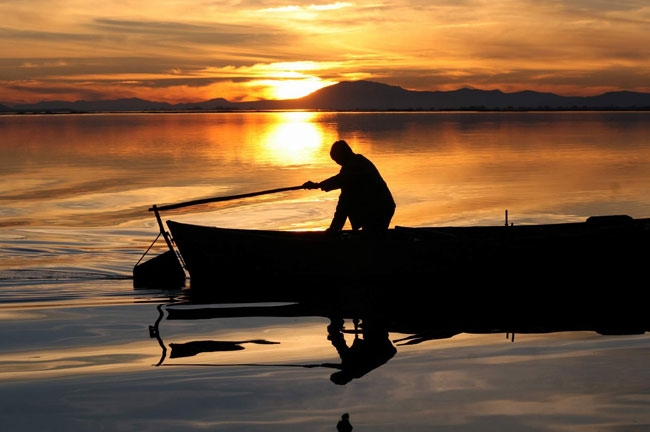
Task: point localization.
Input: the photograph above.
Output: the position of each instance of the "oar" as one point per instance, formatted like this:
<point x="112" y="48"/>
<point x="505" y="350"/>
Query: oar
<point x="226" y="198"/>
<point x="167" y="236"/>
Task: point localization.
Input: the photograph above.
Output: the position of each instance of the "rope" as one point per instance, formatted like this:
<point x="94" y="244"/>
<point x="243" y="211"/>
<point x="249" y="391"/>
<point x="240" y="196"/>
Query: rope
<point x="147" y="251"/>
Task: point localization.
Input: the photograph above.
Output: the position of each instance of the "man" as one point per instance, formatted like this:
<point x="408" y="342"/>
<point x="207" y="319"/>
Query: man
<point x="365" y="198"/>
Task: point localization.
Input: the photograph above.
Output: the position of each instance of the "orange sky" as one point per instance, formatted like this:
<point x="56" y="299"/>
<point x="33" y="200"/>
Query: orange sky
<point x="195" y="50"/>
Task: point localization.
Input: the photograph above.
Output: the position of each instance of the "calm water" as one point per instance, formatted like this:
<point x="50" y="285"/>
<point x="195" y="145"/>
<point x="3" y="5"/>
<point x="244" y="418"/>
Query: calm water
<point x="74" y="197"/>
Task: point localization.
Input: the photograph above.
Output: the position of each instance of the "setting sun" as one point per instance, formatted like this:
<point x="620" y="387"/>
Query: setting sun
<point x="252" y="51"/>
<point x="294" y="89"/>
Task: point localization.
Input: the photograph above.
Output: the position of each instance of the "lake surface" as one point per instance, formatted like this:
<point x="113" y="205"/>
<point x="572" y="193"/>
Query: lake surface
<point x="83" y="350"/>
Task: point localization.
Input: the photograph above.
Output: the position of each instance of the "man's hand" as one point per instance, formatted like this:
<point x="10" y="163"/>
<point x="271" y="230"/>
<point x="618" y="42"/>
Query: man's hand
<point x="310" y="185"/>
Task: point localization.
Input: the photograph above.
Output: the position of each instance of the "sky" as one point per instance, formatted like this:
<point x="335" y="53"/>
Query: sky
<point x="244" y="50"/>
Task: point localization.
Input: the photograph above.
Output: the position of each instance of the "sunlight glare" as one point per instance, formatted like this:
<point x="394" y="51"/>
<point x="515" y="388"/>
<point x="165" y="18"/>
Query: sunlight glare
<point x="294" y="140"/>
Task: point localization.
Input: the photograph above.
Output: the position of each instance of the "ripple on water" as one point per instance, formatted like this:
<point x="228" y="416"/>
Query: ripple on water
<point x="53" y="288"/>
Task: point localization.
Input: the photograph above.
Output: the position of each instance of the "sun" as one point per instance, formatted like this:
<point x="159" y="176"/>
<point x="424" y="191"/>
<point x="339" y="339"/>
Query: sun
<point x="294" y="89"/>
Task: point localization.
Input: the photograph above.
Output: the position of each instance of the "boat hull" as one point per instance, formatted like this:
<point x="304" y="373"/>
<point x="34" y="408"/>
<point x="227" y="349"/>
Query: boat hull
<point x="538" y="265"/>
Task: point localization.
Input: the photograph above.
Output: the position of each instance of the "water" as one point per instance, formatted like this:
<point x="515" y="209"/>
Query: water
<point x="74" y="197"/>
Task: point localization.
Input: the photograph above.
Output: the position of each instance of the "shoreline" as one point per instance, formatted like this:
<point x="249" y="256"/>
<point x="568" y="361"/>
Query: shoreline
<point x="378" y="111"/>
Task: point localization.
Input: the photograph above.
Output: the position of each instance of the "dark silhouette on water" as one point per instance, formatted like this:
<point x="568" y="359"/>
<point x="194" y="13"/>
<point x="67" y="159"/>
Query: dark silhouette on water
<point x="365" y="197"/>
<point x="192" y="348"/>
<point x="367" y="352"/>
<point x="375" y="318"/>
<point x="344" y="424"/>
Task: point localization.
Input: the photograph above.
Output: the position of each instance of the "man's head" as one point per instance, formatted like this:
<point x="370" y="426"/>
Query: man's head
<point x="341" y="152"/>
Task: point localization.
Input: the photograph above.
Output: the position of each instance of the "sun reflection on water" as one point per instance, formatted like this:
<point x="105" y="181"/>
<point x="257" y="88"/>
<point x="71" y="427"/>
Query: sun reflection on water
<point x="293" y="140"/>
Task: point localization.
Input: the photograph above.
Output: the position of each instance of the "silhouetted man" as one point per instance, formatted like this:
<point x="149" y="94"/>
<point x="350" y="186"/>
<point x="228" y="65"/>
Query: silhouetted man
<point x="365" y="198"/>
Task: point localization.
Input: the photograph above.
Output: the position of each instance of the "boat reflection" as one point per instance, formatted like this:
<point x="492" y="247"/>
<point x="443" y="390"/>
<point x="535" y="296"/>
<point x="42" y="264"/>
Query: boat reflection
<point x="370" y="348"/>
<point x="373" y="323"/>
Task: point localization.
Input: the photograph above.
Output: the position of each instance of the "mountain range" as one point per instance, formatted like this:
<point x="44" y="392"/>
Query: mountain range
<point x="366" y="96"/>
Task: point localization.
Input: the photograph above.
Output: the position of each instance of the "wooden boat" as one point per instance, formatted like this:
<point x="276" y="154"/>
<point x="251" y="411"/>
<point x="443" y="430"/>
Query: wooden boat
<point x="599" y="264"/>
<point x="430" y="255"/>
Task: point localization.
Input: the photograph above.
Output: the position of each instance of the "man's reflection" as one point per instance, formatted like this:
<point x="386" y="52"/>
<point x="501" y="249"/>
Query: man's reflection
<point x="344" y="424"/>
<point x="367" y="352"/>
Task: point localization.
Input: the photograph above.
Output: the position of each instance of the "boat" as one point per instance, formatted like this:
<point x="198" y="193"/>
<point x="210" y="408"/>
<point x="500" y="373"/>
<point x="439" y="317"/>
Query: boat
<point x="599" y="264"/>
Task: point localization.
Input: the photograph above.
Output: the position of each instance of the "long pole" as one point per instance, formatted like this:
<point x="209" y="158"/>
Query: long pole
<point x="226" y="198"/>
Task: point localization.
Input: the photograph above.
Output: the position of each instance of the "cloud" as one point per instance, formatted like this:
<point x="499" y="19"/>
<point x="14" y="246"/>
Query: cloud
<point x="569" y="47"/>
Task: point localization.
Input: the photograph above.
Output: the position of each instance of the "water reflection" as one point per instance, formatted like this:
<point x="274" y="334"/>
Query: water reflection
<point x="293" y="139"/>
<point x="451" y="168"/>
<point x="370" y="348"/>
<point x="364" y="335"/>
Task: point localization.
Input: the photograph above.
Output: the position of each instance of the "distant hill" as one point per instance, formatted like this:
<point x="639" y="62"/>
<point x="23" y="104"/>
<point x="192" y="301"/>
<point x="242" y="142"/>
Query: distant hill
<point x="369" y="96"/>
